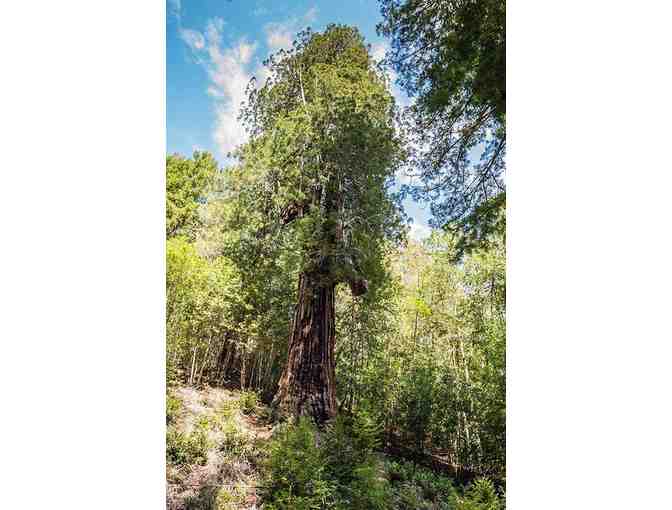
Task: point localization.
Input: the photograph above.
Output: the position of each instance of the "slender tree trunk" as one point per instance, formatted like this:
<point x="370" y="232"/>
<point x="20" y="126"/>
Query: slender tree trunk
<point x="243" y="369"/>
<point x="308" y="383"/>
<point x="205" y="361"/>
<point x="193" y="368"/>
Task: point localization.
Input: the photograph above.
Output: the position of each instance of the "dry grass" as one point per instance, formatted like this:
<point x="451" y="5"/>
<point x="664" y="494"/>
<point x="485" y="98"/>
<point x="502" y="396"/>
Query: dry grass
<point x="229" y="479"/>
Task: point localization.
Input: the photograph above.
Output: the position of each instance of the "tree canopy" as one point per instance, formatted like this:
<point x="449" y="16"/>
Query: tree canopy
<point x="450" y="57"/>
<point x="186" y="186"/>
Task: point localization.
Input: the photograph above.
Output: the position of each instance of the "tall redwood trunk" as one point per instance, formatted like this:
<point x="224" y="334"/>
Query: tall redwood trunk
<point x="308" y="382"/>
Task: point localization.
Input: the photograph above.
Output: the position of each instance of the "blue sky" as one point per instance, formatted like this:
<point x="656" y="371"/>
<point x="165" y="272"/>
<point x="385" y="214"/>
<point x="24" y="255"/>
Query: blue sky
<point x="214" y="47"/>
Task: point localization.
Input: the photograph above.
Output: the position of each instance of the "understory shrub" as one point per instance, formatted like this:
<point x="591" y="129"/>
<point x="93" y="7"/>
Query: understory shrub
<point x="348" y="442"/>
<point x="248" y="401"/>
<point x="297" y="477"/>
<point x="339" y="469"/>
<point x="417" y="487"/>
<point x="235" y="443"/>
<point x="184" y="448"/>
<point x="480" y="495"/>
<point x="229" y="498"/>
<point x="341" y="473"/>
<point x="173" y="406"/>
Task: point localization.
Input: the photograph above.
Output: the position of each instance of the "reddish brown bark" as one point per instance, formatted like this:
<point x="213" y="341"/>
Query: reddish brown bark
<point x="308" y="384"/>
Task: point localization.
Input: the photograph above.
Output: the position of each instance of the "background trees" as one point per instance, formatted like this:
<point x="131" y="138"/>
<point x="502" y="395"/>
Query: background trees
<point x="186" y="184"/>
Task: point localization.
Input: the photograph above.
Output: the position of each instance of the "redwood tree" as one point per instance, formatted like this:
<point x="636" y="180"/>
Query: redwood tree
<point x="324" y="148"/>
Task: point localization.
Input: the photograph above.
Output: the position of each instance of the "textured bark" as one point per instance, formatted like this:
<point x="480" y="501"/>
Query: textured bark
<point x="308" y="384"/>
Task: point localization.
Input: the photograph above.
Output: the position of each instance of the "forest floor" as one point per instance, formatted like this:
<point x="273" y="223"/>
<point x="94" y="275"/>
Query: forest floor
<point x="217" y="442"/>
<point x="229" y="477"/>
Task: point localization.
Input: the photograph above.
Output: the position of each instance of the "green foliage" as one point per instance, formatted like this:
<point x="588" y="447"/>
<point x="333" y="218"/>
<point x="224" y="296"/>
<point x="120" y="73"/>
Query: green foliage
<point x="248" y="401"/>
<point x="297" y="475"/>
<point x="173" y="406"/>
<point x="182" y="449"/>
<point x="213" y="497"/>
<point x="478" y="229"/>
<point x="325" y="143"/>
<point x="202" y="302"/>
<point x="416" y="400"/>
<point x="302" y="474"/>
<point x="186" y="186"/>
<point x="341" y="472"/>
<point x="229" y="499"/>
<point x="427" y="357"/>
<point x="204" y="499"/>
<point x="297" y="472"/>
<point x="349" y="442"/>
<point x="414" y="485"/>
<point x="235" y="443"/>
<point x="481" y="495"/>
<point x="367" y="489"/>
<point x="228" y="408"/>
<point x="451" y="56"/>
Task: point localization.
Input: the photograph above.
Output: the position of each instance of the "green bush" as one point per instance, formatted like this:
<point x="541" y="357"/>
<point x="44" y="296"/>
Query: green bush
<point x="204" y="423"/>
<point x="297" y="478"/>
<point x="415" y="485"/>
<point x="228" y="408"/>
<point x="204" y="499"/>
<point x="409" y="497"/>
<point x="184" y="449"/>
<point x="480" y="495"/>
<point x="349" y="442"/>
<point x="173" y="406"/>
<point x="248" y="401"/>
<point x="229" y="499"/>
<point x="172" y="376"/>
<point x="235" y="443"/>
<point x="343" y="472"/>
<point x="368" y="490"/>
<point x="416" y="402"/>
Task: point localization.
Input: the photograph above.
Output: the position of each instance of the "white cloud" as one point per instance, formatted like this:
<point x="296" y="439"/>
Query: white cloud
<point x="230" y="68"/>
<point x="227" y="69"/>
<point x="192" y="38"/>
<point x="229" y="76"/>
<point x="419" y="231"/>
<point x="378" y="51"/>
<point x="280" y="35"/>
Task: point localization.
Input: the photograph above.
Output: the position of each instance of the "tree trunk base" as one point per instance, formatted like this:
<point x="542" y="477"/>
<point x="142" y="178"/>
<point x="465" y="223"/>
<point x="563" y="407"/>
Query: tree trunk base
<point x="308" y="383"/>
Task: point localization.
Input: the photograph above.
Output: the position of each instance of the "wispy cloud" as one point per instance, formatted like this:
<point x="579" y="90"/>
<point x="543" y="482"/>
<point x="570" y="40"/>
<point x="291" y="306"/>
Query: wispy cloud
<point x="260" y="9"/>
<point x="230" y="67"/>
<point x="228" y="73"/>
<point x="193" y="39"/>
<point x="279" y="35"/>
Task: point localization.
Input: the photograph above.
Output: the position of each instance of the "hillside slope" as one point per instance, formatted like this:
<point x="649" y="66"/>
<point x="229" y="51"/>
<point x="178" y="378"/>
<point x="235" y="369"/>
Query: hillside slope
<point x="223" y="453"/>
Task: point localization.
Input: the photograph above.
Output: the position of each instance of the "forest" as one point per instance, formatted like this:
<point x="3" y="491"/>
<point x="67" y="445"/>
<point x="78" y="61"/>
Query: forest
<point x="317" y="356"/>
